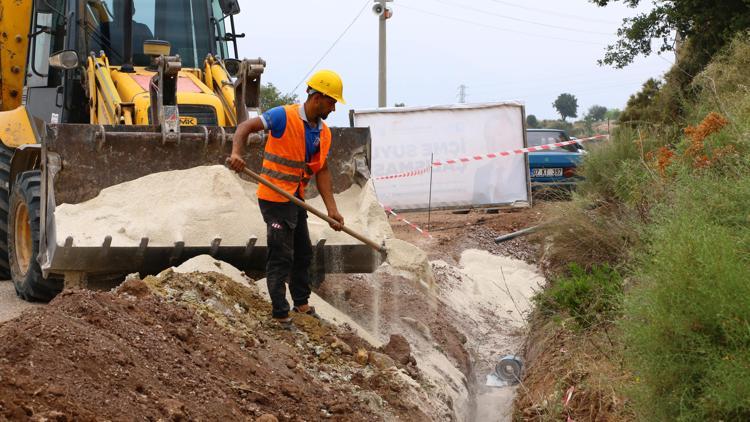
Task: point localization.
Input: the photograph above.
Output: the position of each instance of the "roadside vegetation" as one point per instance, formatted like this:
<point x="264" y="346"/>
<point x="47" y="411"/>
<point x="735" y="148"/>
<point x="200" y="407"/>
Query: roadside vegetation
<point x="650" y="261"/>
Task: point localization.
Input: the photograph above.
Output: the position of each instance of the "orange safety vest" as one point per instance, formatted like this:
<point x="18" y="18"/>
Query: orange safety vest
<point x="284" y="158"/>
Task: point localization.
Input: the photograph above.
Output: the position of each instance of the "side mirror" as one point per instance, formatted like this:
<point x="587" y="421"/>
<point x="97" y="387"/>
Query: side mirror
<point x="65" y="59"/>
<point x="229" y="7"/>
<point x="232" y="66"/>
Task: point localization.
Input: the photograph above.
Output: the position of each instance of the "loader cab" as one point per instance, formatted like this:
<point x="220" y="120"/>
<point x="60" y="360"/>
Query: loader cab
<point x="193" y="28"/>
<point x="43" y="91"/>
<point x="185" y="24"/>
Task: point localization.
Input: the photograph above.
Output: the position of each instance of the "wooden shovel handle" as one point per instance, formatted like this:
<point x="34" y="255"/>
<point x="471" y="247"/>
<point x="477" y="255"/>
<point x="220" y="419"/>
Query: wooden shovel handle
<point x="255" y="176"/>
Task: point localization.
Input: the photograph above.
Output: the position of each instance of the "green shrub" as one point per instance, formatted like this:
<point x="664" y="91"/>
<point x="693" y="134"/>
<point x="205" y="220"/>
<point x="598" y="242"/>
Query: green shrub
<point x="589" y="297"/>
<point x="618" y="170"/>
<point x="724" y="85"/>
<point x="683" y="234"/>
<point x="687" y="323"/>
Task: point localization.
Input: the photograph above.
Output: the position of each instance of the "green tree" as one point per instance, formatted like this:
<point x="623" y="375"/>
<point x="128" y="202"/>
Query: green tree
<point x="271" y="97"/>
<point x="596" y="113"/>
<point x="532" y="122"/>
<point x="566" y="105"/>
<point x="709" y="24"/>
<point x="640" y="104"/>
<point x="613" y="113"/>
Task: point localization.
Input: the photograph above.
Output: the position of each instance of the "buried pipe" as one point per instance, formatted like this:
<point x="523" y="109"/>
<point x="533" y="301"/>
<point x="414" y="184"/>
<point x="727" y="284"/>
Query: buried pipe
<point x="522" y="232"/>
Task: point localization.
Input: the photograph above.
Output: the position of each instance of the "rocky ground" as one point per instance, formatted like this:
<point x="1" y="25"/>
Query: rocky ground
<point x="199" y="346"/>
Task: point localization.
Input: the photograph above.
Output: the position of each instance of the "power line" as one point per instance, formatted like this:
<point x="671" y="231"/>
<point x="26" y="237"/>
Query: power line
<point x="565" y="15"/>
<point x="533" y="79"/>
<point x="487" y="12"/>
<point x="470" y="22"/>
<point x="572" y="88"/>
<point x="364" y="6"/>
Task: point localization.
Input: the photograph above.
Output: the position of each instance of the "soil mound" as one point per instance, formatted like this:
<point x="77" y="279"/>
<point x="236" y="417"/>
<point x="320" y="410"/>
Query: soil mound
<point x="193" y="346"/>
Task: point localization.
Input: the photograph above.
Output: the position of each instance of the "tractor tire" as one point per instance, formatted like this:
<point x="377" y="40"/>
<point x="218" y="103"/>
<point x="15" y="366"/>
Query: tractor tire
<point x="23" y="240"/>
<point x="5" y="155"/>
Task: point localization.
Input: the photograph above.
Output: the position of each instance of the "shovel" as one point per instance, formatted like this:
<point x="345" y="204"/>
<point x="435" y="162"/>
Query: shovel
<point x="255" y="176"/>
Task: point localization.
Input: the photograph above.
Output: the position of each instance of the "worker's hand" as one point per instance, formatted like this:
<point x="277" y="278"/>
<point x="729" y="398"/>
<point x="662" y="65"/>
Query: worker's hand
<point x="338" y="217"/>
<point x="236" y="163"/>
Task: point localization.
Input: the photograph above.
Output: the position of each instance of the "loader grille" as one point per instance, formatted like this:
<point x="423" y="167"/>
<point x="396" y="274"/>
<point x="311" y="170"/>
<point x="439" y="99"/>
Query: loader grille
<point x="206" y="115"/>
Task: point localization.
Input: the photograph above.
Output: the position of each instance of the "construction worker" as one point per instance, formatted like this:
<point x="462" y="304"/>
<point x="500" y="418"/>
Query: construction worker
<point x="296" y="149"/>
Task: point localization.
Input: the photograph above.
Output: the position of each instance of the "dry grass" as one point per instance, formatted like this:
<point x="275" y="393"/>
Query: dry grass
<point x="572" y="374"/>
<point x="586" y="234"/>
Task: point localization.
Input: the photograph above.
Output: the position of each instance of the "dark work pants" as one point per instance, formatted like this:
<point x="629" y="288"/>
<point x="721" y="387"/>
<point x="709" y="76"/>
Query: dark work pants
<point x="289" y="254"/>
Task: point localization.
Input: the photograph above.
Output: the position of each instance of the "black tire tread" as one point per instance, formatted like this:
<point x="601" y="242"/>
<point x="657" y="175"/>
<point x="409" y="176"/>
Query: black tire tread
<point x="5" y="156"/>
<point x="32" y="286"/>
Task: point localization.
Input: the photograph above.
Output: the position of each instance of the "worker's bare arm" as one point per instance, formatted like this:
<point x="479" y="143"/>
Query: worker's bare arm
<point x="244" y="129"/>
<point x="325" y="187"/>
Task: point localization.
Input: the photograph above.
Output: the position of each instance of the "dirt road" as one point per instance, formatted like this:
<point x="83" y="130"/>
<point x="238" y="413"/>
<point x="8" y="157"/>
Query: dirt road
<point x="11" y="305"/>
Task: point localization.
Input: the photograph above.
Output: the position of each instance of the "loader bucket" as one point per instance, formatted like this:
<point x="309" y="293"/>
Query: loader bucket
<point x="78" y="161"/>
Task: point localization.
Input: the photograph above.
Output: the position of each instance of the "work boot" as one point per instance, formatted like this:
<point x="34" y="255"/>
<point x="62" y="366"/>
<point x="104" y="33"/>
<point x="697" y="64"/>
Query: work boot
<point x="285" y="323"/>
<point x="307" y="310"/>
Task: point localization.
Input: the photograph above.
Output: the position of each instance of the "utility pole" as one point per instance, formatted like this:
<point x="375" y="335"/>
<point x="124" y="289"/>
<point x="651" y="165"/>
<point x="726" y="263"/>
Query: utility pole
<point x="462" y="93"/>
<point x="383" y="12"/>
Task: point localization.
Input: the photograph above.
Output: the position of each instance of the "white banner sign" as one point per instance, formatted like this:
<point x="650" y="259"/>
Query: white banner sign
<point x="404" y="140"/>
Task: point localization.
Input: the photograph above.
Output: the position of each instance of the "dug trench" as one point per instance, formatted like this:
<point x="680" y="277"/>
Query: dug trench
<point x="472" y="316"/>
<point x="415" y="340"/>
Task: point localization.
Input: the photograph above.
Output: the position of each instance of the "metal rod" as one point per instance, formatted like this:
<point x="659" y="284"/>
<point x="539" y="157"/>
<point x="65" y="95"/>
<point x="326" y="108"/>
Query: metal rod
<point x="234" y="38"/>
<point x="255" y="176"/>
<point x="429" y="200"/>
<point x="382" y="90"/>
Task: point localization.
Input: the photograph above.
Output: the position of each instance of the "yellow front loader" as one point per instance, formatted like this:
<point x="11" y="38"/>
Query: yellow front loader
<point x="97" y="93"/>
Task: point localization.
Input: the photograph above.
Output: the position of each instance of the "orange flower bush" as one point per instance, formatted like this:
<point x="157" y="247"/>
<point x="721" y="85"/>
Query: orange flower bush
<point x="696" y="152"/>
<point x="663" y="160"/>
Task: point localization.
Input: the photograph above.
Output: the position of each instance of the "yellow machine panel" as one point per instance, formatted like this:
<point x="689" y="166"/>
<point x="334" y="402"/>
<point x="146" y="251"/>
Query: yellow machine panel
<point x="16" y="128"/>
<point x="191" y="91"/>
<point x="14" y="41"/>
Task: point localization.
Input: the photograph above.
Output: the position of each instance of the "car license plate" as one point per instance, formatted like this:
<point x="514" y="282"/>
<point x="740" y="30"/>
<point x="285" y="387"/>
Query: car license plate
<point x="547" y="172"/>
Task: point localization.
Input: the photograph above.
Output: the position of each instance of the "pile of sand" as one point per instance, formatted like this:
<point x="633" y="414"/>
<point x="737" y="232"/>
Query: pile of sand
<point x="198" y="205"/>
<point x="207" y="263"/>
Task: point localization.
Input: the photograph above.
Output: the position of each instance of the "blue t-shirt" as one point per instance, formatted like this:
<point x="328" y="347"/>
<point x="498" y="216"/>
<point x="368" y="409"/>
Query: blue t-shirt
<point x="275" y="121"/>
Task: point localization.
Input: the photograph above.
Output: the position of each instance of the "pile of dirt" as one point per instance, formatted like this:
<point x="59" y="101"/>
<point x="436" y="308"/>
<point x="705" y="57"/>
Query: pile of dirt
<point x="195" y="346"/>
<point x="389" y="304"/>
<point x="196" y="342"/>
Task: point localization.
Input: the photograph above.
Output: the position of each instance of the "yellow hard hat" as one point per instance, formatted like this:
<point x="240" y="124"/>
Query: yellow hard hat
<point x="329" y="83"/>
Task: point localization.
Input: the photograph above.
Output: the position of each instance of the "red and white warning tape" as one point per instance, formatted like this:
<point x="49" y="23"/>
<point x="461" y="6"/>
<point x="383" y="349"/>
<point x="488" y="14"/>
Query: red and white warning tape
<point x="400" y="218"/>
<point x="405" y="174"/>
<point x="464" y="160"/>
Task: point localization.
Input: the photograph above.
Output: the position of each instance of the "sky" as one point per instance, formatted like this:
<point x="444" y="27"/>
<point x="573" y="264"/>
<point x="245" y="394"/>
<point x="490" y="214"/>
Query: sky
<point x="530" y="51"/>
